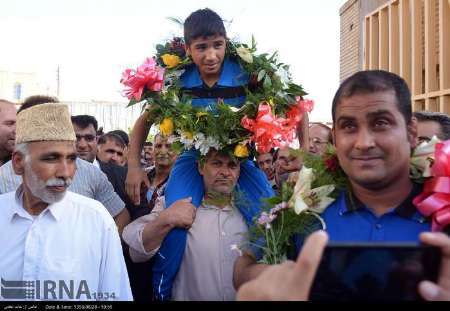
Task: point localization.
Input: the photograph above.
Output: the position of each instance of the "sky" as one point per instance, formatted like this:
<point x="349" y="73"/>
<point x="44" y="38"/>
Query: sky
<point x="93" y="41"/>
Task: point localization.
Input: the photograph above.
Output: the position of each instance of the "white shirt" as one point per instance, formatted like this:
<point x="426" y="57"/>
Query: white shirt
<point x="74" y="240"/>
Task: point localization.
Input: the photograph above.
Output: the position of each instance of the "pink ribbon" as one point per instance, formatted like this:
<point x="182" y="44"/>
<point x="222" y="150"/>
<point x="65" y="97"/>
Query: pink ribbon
<point x="434" y="201"/>
<point x="147" y="76"/>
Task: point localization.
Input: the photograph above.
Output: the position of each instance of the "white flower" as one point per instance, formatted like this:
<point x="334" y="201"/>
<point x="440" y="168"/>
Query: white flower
<point x="186" y="141"/>
<point x="284" y="76"/>
<point x="203" y="144"/>
<point x="245" y="54"/>
<point x="304" y="198"/>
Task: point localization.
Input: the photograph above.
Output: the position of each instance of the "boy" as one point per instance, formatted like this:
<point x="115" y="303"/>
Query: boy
<point x="211" y="76"/>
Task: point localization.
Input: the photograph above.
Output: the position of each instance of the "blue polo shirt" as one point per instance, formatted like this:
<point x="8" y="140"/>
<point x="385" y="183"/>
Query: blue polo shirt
<point x="349" y="220"/>
<point x="230" y="87"/>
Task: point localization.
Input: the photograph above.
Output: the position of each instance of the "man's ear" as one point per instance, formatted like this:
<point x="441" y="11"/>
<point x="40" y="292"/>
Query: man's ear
<point x="200" y="167"/>
<point x="411" y="132"/>
<point x="188" y="50"/>
<point x="18" y="163"/>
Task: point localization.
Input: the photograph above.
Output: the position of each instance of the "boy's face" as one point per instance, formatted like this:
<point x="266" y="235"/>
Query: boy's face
<point x="208" y="54"/>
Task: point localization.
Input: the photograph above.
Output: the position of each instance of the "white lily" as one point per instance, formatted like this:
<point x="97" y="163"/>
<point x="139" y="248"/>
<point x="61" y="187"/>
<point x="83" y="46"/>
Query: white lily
<point x="245" y="54"/>
<point x="304" y="198"/>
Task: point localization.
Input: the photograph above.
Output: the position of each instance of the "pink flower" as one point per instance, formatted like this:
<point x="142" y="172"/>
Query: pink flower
<point x="147" y="76"/>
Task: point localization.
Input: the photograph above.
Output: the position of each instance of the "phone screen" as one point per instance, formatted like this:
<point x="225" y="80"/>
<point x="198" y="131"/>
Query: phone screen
<point x="374" y="272"/>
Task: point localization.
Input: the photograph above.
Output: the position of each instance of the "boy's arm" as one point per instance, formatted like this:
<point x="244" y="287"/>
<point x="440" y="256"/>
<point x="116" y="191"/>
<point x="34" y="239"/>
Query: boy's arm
<point x="303" y="133"/>
<point x="135" y="174"/>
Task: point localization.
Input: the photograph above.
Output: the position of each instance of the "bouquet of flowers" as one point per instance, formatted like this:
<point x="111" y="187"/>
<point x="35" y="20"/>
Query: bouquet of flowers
<point x="274" y="105"/>
<point x="297" y="208"/>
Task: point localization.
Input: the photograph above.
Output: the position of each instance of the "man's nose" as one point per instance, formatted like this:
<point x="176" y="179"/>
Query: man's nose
<point x="364" y="140"/>
<point x="65" y="169"/>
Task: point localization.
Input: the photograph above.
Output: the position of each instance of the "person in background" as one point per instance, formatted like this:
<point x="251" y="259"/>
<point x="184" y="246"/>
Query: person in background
<point x="431" y="124"/>
<point x="7" y="130"/>
<point x="111" y="149"/>
<point x="319" y="138"/>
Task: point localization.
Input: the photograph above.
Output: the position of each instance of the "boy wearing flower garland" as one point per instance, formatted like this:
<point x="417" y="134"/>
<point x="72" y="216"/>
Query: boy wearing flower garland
<point x="211" y="76"/>
<point x="373" y="133"/>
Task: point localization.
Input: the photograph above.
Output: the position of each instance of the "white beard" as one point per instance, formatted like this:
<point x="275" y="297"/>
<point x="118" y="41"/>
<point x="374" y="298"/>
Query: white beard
<point x="39" y="190"/>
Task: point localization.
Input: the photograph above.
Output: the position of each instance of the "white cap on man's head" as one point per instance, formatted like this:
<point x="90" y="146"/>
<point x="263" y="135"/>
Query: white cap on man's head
<point x="44" y="122"/>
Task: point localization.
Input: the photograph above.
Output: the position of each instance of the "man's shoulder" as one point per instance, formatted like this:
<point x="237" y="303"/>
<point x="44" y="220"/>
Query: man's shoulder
<point x="87" y="205"/>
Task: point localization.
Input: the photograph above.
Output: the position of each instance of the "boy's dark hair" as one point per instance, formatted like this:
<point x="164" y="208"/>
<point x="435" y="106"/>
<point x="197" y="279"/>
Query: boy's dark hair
<point x="203" y="23"/>
<point x="441" y="118"/>
<point x="83" y="121"/>
<point x="36" y="100"/>
<point x="122" y="135"/>
<point x="371" y="81"/>
<point x="111" y="136"/>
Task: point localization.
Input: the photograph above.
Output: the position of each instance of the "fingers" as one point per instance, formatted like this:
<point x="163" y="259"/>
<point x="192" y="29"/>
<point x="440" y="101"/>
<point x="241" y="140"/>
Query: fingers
<point x="438" y="239"/>
<point x="309" y="259"/>
<point x="432" y="292"/>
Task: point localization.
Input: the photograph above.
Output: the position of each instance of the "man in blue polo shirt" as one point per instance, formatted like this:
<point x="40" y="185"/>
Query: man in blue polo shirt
<point x="374" y="133"/>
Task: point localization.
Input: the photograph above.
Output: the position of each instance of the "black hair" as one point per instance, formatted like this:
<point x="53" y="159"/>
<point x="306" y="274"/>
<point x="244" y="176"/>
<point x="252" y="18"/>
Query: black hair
<point x="36" y="100"/>
<point x="441" y="118"/>
<point x="203" y="23"/>
<point x="122" y="135"/>
<point x="111" y="136"/>
<point x="83" y="121"/>
<point x="371" y="81"/>
<point x="148" y="143"/>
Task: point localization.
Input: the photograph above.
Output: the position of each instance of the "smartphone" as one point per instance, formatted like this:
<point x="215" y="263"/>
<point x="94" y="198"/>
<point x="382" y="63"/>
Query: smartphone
<point x="374" y="272"/>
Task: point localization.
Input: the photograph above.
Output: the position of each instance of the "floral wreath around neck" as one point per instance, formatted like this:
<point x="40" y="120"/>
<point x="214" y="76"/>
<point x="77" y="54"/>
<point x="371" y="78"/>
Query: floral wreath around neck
<point x="273" y="108"/>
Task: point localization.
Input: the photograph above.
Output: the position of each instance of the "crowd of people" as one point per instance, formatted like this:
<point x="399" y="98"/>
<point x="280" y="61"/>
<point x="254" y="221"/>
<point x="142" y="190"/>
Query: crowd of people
<point x="136" y="220"/>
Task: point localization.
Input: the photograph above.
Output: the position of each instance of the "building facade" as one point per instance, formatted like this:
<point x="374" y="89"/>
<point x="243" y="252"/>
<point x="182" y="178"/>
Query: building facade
<point x="407" y="37"/>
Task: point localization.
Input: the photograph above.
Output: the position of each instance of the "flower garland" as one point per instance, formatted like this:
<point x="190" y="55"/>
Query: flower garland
<point x="274" y="105"/>
<point x="307" y="194"/>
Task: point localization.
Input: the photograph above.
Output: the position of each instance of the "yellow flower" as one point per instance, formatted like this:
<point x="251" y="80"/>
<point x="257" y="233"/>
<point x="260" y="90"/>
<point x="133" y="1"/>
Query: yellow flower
<point x="166" y="127"/>
<point x="201" y="114"/>
<point x="241" y="151"/>
<point x="188" y="135"/>
<point x="170" y="60"/>
<point x="245" y="54"/>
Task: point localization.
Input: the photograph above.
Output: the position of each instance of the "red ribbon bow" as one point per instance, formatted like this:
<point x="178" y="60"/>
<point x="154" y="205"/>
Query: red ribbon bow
<point x="434" y="201"/>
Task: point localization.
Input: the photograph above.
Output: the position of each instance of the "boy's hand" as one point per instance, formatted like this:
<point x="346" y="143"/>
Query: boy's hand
<point x="441" y="290"/>
<point x="290" y="280"/>
<point x="135" y="177"/>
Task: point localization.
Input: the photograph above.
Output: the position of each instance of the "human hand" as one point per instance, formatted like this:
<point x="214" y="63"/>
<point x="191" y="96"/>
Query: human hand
<point x="440" y="291"/>
<point x="135" y="177"/>
<point x="180" y="214"/>
<point x="289" y="280"/>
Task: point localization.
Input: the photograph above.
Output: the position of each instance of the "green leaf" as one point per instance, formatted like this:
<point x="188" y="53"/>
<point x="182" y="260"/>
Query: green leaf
<point x="267" y="83"/>
<point x="176" y="21"/>
<point x="261" y="74"/>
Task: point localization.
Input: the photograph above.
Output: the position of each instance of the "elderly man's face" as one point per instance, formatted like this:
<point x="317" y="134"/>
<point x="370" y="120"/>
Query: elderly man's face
<point x="427" y="129"/>
<point x="48" y="169"/>
<point x="318" y="139"/>
<point x="220" y="173"/>
<point x="163" y="154"/>
<point x="7" y="128"/>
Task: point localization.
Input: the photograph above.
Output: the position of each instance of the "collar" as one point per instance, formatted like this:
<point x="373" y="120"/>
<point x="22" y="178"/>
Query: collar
<point x="227" y="208"/>
<point x="55" y="209"/>
<point x="231" y="75"/>
<point x="406" y="209"/>
<point x="95" y="163"/>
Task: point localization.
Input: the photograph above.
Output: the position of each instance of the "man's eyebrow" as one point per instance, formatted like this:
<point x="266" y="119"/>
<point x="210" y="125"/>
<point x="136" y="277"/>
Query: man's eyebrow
<point x="379" y="113"/>
<point x="345" y="118"/>
<point x="50" y="154"/>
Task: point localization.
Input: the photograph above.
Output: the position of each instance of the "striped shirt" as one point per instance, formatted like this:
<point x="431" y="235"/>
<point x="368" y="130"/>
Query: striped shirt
<point x="88" y="181"/>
